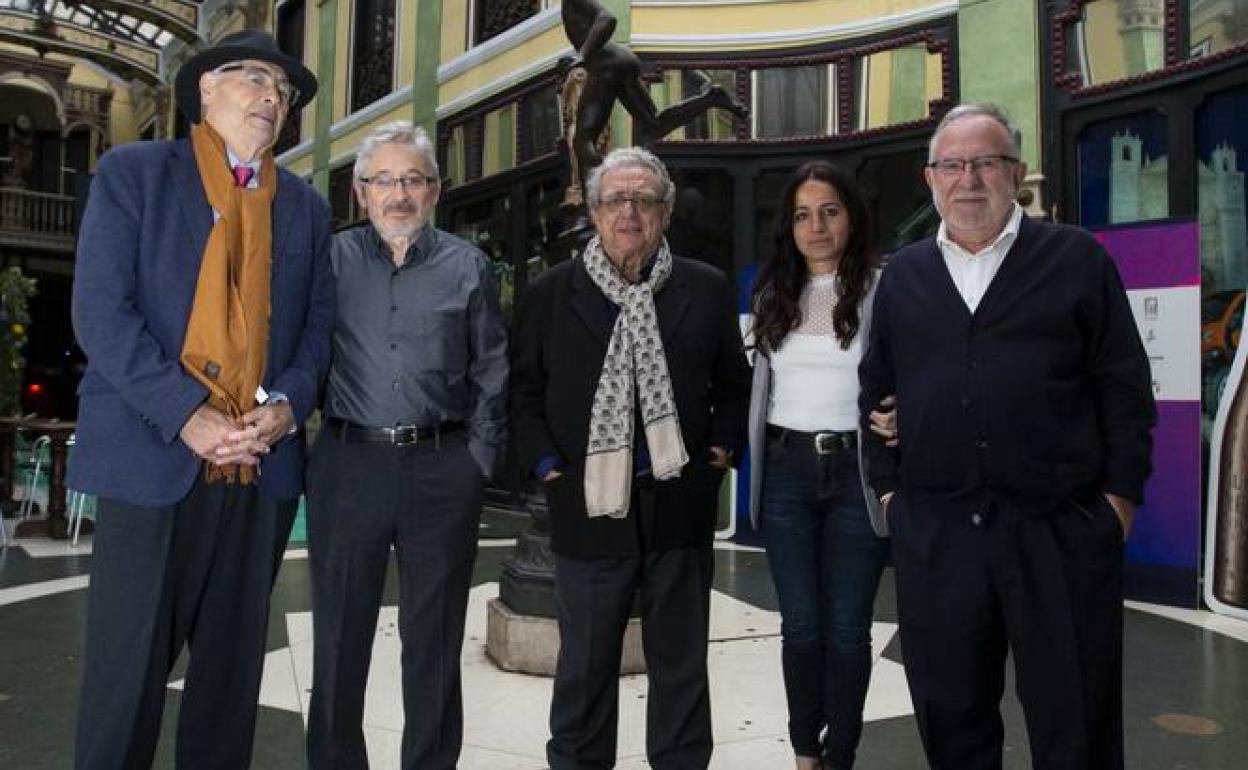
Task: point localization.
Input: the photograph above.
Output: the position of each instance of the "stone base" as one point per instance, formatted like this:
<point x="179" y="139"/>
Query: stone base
<point x="529" y="644"/>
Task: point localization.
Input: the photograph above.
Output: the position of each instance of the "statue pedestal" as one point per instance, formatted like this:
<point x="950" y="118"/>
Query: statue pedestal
<point x="522" y="629"/>
<point x="529" y="644"/>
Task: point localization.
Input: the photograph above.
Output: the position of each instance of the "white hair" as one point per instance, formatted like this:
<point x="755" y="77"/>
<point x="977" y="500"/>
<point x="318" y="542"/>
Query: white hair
<point x="400" y="132"/>
<point x="629" y="157"/>
<point x="984" y="110"/>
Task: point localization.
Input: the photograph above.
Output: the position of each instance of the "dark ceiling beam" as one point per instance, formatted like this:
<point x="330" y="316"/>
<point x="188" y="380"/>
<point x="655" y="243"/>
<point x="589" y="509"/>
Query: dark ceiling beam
<point x="180" y="17"/>
<point x="43" y="34"/>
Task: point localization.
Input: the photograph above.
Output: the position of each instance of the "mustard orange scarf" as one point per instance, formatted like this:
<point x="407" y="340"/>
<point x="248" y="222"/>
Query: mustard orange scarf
<point x="228" y="332"/>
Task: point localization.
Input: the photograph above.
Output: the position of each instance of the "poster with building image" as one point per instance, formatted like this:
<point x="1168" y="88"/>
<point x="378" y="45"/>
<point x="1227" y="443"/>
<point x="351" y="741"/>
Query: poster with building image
<point x="1124" y="199"/>
<point x="1125" y="181"/>
<point x="1221" y="142"/>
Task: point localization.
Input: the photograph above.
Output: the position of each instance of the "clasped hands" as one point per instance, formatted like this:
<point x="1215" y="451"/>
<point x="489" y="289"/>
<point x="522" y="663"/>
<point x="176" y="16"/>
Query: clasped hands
<point x="215" y="437"/>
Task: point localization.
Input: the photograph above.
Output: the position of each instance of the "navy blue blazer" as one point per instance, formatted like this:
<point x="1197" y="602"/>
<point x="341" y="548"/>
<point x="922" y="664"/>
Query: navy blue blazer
<point x="139" y="252"/>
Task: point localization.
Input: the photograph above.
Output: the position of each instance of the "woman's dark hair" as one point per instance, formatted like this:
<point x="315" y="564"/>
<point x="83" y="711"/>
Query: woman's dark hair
<point x="778" y="288"/>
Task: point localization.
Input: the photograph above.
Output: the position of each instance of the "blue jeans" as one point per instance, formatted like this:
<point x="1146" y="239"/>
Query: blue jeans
<point x="826" y="562"/>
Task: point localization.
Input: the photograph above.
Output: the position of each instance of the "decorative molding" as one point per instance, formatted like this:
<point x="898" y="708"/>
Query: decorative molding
<point x="372" y="111"/>
<point x="1177" y="61"/>
<point x="793" y="37"/>
<point x="499" y="45"/>
<point x="294" y="153"/>
<point x="510" y="80"/>
<point x="696" y="3"/>
<point x="935" y="41"/>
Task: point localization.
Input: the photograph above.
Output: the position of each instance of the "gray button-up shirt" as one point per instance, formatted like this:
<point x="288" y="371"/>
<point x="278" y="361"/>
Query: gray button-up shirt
<point x="419" y="344"/>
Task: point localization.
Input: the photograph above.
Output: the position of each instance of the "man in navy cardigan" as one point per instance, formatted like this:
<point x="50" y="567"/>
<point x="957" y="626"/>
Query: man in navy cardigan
<point x="179" y="559"/>
<point x="1025" y="409"/>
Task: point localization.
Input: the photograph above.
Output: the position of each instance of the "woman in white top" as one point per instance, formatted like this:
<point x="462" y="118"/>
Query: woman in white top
<point x="811" y="306"/>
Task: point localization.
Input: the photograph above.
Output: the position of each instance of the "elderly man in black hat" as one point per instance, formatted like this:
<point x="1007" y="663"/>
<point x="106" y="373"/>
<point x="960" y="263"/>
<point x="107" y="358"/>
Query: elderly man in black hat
<point x="203" y="298"/>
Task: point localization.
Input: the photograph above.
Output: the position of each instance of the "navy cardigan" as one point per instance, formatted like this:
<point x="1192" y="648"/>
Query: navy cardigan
<point x="1042" y="395"/>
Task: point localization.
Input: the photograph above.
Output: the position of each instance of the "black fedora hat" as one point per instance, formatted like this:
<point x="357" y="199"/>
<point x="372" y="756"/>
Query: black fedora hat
<point x="247" y="44"/>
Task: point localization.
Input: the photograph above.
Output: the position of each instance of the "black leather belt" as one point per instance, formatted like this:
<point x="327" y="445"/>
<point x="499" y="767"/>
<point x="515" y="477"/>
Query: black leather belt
<point x="824" y="442"/>
<point x="399" y="435"/>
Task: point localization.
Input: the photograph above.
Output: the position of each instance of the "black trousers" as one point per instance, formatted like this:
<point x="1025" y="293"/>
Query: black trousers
<point x="972" y="583"/>
<point x="595" y="599"/>
<point x="197" y="573"/>
<point x="425" y="501"/>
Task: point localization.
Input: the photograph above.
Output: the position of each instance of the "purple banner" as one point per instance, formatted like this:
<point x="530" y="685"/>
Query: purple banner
<point x="1155" y="256"/>
<point x="1167" y="526"/>
<point x="1160" y="266"/>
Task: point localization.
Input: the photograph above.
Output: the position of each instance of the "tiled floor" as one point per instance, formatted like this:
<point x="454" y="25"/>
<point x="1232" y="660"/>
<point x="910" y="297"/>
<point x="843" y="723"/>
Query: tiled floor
<point x="1186" y="686"/>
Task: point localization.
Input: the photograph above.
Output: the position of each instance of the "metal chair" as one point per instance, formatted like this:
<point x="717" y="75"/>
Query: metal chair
<point x="35" y="465"/>
<point x="77" y="504"/>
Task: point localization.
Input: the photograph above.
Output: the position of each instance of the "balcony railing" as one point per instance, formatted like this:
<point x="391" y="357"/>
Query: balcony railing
<point x="36" y="220"/>
<point x="90" y="103"/>
<point x="374" y="76"/>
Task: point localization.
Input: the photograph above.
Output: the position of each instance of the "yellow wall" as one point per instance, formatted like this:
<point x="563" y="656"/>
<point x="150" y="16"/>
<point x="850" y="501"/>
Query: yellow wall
<point x="342" y="63"/>
<point x="547" y="44"/>
<point x="312" y="53"/>
<point x="348" y="143"/>
<point x="880" y="80"/>
<point x="757" y="17"/>
<point x="301" y="166"/>
<point x="454" y="28"/>
<point x="406" y="36"/>
<point x="1104" y="45"/>
<point x="124" y="117"/>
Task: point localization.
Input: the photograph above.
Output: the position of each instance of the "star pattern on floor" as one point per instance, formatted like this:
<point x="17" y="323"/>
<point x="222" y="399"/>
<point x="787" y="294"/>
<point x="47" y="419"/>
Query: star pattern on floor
<point x="505" y="714"/>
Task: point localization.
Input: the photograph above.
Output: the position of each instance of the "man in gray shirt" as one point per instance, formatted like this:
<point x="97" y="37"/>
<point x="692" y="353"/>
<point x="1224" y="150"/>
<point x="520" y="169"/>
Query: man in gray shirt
<point x="415" y="420"/>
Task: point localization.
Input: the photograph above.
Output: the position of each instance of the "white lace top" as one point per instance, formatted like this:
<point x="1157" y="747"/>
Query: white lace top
<point x="814" y="383"/>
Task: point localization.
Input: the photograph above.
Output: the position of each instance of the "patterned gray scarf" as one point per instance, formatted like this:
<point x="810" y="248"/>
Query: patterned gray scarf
<point x="634" y="356"/>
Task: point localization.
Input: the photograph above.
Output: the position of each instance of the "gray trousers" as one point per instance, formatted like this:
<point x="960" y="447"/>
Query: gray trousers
<point x="364" y="498"/>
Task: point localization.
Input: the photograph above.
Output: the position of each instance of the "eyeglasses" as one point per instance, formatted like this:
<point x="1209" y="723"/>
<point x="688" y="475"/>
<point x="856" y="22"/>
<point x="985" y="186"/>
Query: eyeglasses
<point x="386" y="183"/>
<point x="645" y="204"/>
<point x="262" y="79"/>
<point x="984" y="165"/>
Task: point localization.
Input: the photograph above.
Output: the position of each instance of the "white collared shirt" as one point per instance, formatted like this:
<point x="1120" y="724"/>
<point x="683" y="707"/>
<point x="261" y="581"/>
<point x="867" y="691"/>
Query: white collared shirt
<point x="973" y="273"/>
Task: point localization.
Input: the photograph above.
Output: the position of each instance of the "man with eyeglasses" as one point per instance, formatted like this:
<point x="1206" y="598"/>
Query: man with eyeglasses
<point x="415" y="422"/>
<point x="203" y="299"/>
<point x="1025" y="409"/>
<point x="629" y="399"/>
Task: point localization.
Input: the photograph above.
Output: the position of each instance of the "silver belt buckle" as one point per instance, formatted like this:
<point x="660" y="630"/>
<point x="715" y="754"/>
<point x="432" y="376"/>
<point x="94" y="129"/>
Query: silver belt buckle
<point x="402" y="435"/>
<point x="826" y="443"/>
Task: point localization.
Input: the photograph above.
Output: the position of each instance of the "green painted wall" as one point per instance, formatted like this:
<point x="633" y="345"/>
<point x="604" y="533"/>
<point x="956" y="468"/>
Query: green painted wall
<point x="425" y="76"/>
<point x="327" y="23"/>
<point x="621" y="122"/>
<point x="999" y="62"/>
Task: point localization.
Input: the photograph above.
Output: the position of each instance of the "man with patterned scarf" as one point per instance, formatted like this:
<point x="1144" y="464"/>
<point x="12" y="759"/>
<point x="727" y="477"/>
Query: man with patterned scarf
<point x="629" y="398"/>
<point x="203" y="299"/>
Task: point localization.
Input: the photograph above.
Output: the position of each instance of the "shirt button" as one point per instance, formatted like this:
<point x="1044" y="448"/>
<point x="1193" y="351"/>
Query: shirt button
<point x="977" y="519"/>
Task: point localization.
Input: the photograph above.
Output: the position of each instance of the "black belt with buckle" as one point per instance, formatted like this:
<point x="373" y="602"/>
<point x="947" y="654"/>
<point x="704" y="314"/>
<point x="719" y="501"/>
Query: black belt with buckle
<point x="399" y="435"/>
<point x="824" y="442"/>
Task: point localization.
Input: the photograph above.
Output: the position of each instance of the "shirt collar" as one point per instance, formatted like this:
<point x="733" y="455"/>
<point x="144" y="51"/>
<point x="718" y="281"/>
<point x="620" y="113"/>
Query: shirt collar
<point x="417" y="250"/>
<point x="1004" y="239"/>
